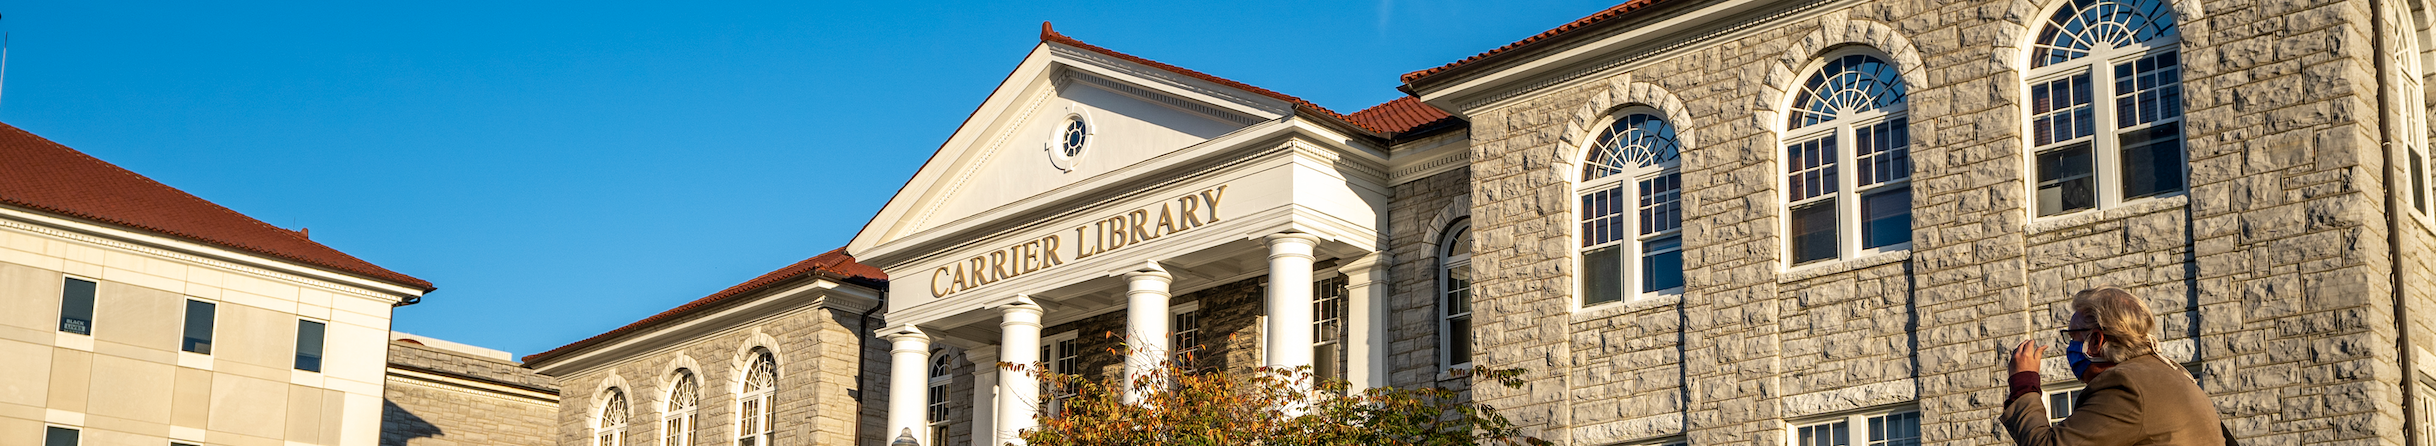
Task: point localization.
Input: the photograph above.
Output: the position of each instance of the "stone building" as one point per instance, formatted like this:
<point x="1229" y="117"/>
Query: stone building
<point x="132" y="313"/>
<point x="442" y="393"/>
<point x="774" y="360"/>
<point x="1703" y="222"/>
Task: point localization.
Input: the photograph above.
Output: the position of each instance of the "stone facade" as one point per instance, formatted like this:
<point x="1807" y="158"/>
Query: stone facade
<point x="436" y="397"/>
<point x="815" y="404"/>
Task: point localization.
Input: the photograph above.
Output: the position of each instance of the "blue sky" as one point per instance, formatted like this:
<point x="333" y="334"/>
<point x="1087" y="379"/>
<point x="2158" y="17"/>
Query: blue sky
<point x="560" y="169"/>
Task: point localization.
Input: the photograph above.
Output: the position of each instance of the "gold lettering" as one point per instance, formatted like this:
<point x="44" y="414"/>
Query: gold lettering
<point x="960" y="284"/>
<point x="998" y="266"/>
<point x="1167" y="220"/>
<point x="1048" y="250"/>
<point x="1027" y="257"/>
<point x="1190" y="207"/>
<point x="1135" y="220"/>
<point x="1116" y="234"/>
<point x="934" y="283"/>
<point x="1080" y="251"/>
<point x="980" y="272"/>
<point x="1212" y="196"/>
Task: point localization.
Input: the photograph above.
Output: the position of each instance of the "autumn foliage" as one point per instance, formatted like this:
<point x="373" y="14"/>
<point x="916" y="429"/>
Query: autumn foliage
<point x="1213" y="408"/>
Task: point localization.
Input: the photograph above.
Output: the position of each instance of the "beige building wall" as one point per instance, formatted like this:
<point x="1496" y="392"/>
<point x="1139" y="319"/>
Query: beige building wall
<point x="447" y="394"/>
<point x="129" y="383"/>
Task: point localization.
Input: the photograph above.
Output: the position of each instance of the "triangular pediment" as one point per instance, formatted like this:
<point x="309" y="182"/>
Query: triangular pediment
<point x="1016" y="146"/>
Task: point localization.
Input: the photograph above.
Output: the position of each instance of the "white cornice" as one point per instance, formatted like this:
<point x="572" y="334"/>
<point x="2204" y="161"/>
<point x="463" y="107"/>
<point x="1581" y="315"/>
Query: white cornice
<point x="198" y="253"/>
<point x="756" y="309"/>
<point x="1095" y="60"/>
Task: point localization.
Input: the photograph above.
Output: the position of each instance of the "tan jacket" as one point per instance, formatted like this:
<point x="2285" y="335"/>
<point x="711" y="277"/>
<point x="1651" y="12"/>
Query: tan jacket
<point x="2140" y="402"/>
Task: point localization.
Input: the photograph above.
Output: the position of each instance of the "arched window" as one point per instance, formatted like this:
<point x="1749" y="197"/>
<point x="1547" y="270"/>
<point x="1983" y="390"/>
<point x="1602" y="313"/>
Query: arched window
<point x="2123" y="53"/>
<point x="610" y="430"/>
<point x="1631" y="213"/>
<point x="1455" y="296"/>
<point x="942" y="369"/>
<point x="684" y="396"/>
<point x="2402" y="37"/>
<point x="1850" y="111"/>
<point x="755" y="416"/>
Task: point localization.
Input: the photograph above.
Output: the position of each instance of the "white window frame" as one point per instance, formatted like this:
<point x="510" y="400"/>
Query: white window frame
<point x="2426" y="399"/>
<point x="2105" y="140"/>
<point x="604" y="432"/>
<point x="1844" y="129"/>
<point x="321" y="360"/>
<point x="2070" y="392"/>
<point x="678" y="421"/>
<point x="754" y="426"/>
<point x="1184" y="343"/>
<point x="1056" y="363"/>
<point x="938" y="401"/>
<point x="1461" y="230"/>
<point x="1332" y="292"/>
<point x="1857" y="424"/>
<point x="2410" y="56"/>
<point x="1629" y="261"/>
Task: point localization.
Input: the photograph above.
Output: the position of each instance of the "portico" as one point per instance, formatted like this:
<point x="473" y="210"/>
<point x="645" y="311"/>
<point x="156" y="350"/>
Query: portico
<point x="1092" y="197"/>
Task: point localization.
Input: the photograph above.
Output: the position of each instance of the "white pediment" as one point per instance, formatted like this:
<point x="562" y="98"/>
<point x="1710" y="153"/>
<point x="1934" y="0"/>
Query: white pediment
<point x="1014" y="147"/>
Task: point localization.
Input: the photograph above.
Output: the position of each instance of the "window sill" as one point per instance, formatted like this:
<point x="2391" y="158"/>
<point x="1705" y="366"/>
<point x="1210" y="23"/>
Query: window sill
<point x="1638" y="303"/>
<point x="1448" y="374"/>
<point x="2040" y="225"/>
<point x="1814" y="270"/>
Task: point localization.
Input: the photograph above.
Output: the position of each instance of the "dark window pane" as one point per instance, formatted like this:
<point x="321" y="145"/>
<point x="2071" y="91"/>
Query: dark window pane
<point x="1886" y="217"/>
<point x="1662" y="264"/>
<point x="2064" y="181"/>
<point x="2419" y="182"/>
<point x="2152" y="161"/>
<point x="60" y="436"/>
<point x="308" y="345"/>
<point x="1814" y="232"/>
<point x="199" y="315"/>
<point x="76" y="307"/>
<point x="1602" y="275"/>
<point x="1459" y="340"/>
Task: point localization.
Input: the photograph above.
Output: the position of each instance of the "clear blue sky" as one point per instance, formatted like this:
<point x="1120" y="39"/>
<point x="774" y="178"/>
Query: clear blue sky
<point x="562" y="169"/>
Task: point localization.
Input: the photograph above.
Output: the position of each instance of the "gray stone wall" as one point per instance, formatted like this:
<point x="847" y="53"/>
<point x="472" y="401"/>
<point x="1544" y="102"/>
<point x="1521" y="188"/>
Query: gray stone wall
<point x="2274" y="262"/>
<point x="815" y="349"/>
<point x="1417" y="217"/>
<point x="460" y="409"/>
<point x="1230" y="331"/>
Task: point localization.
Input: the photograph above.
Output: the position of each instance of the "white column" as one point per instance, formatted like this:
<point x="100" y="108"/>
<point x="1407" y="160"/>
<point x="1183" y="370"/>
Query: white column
<point x="1146" y="333"/>
<point x="1366" y="322"/>
<point x="907" y="379"/>
<point x="985" y="393"/>
<point x="1288" y="334"/>
<point x="1019" y="391"/>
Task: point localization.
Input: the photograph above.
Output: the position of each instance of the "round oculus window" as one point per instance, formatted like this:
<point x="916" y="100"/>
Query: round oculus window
<point x="1071" y="143"/>
<point x="1068" y="141"/>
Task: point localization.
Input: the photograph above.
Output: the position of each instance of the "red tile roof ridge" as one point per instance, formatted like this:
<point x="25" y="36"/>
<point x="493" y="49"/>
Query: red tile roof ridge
<point x="1621" y="10"/>
<point x="1049" y="34"/>
<point x="1402" y="115"/>
<point x="44" y="175"/>
<point x="834" y="264"/>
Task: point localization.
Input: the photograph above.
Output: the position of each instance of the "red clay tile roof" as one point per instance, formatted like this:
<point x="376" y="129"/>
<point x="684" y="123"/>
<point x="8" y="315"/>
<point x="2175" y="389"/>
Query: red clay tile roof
<point x="38" y="174"/>
<point x="1402" y="115"/>
<point x="1049" y="34"/>
<point x="835" y="264"/>
<point x="1623" y="10"/>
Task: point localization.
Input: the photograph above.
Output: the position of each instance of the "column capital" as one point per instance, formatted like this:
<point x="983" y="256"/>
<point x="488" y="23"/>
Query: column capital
<point x="1150" y="270"/>
<point x="905" y="333"/>
<point x="1022" y="312"/>
<point x="1291" y="244"/>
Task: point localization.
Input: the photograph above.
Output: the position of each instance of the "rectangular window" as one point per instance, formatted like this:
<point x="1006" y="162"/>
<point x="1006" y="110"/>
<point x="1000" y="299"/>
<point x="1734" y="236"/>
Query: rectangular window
<point x="76" y="306"/>
<point x="1459" y="314"/>
<point x="1885" y="154"/>
<point x="1899" y="429"/>
<point x="1603" y="275"/>
<point x="199" y="315"/>
<point x="1811" y="169"/>
<point x="2061" y="110"/>
<point x="61" y="436"/>
<point x="1063" y="358"/>
<point x="2148" y="90"/>
<point x="1187" y="343"/>
<point x="1830" y="434"/>
<point x="1328" y="327"/>
<point x="1662" y="264"/>
<point x="750" y="423"/>
<point x="1882" y="429"/>
<point x="2419" y="186"/>
<point x="2066" y="181"/>
<point x="2152" y="161"/>
<point x="308" y="345"/>
<point x="1603" y="232"/>
<point x="2060" y="404"/>
<point x="1886" y="217"/>
<point x="1813" y="228"/>
<point x="1661" y="215"/>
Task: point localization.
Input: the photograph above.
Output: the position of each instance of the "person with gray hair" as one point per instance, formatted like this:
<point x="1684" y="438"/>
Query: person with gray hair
<point x="2135" y="395"/>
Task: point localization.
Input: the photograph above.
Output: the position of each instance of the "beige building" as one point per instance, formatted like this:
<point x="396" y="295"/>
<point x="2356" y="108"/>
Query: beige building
<point x="444" y="393"/>
<point x="1696" y="222"/>
<point x="132" y="313"/>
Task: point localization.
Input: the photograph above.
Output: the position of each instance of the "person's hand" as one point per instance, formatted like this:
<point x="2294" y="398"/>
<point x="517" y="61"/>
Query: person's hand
<point x="2025" y="357"/>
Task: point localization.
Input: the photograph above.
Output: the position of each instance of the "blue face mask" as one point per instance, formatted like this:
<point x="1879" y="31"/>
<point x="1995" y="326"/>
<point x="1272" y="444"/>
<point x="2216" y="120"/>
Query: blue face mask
<point x="2081" y="364"/>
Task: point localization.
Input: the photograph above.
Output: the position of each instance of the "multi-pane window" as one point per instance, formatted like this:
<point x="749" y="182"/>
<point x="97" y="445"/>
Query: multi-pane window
<point x="1869" y="429"/>
<point x="61" y="436"/>
<point x="942" y="370"/>
<point x="2403" y="33"/>
<point x="309" y="345"/>
<point x="76" y="306"/>
<point x="1455" y="296"/>
<point x="1328" y="327"/>
<point x="2061" y="402"/>
<point x="755" y="415"/>
<point x="1187" y="342"/>
<point x="1064" y="358"/>
<point x="684" y="397"/>
<point x="2091" y="155"/>
<point x="199" y="315"/>
<point x="1848" y="162"/>
<point x="2426" y="400"/>
<point x="610" y="429"/>
<point x="1631" y="211"/>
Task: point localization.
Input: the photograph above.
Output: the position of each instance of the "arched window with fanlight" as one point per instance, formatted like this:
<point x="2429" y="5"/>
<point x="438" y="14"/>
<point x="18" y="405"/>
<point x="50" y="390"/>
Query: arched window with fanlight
<point x="756" y="416"/>
<point x="1847" y="161"/>
<point x="2404" y="47"/>
<point x="610" y="428"/>
<point x="1455" y="296"/>
<point x="684" y="397"/>
<point x="942" y="371"/>
<point x="1631" y="211"/>
<point x="2105" y="89"/>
